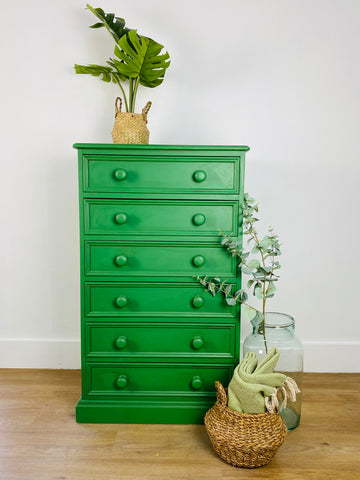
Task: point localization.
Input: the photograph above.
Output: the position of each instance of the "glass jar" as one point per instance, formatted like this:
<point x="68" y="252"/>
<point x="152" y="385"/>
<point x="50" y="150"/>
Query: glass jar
<point x="280" y="333"/>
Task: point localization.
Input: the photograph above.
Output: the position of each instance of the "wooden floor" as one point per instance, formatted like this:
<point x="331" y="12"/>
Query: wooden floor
<point x="40" y="439"/>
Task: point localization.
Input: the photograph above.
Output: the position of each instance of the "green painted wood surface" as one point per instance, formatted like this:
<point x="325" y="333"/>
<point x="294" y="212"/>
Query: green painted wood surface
<point x="139" y="174"/>
<point x="150" y="380"/>
<point x="129" y="259"/>
<point x="153" y="299"/>
<point x="160" y="217"/>
<point x="144" y="342"/>
<point x="153" y="342"/>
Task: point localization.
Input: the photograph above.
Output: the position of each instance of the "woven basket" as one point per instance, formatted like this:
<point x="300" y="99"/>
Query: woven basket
<point x="130" y="127"/>
<point x="243" y="439"/>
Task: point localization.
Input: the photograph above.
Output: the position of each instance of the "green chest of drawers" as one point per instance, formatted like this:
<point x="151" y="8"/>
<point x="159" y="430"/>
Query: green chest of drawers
<point x="153" y="342"/>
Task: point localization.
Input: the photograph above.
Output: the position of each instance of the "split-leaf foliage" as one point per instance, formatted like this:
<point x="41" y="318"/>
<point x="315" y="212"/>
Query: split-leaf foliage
<point x="137" y="59"/>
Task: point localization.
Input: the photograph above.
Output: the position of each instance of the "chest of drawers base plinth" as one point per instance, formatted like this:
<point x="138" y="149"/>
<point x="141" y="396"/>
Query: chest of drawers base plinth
<point x="153" y="343"/>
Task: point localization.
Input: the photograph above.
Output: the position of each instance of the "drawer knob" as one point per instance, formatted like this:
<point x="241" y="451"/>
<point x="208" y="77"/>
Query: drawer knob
<point x="197" y="343"/>
<point x="198" y="302"/>
<point x="121" y="302"/>
<point x="121" y="382"/>
<point x="120" y="174"/>
<point x="121" y="343"/>
<point x="198" y="261"/>
<point x="199" y="219"/>
<point x="199" y="176"/>
<point x="121" y="218"/>
<point x="121" y="260"/>
<point x="196" y="382"/>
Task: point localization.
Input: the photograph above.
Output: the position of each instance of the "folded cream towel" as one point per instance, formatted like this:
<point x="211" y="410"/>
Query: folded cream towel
<point x="251" y="382"/>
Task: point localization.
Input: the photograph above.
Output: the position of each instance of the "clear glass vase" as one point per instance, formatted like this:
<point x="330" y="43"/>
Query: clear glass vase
<point x="280" y="333"/>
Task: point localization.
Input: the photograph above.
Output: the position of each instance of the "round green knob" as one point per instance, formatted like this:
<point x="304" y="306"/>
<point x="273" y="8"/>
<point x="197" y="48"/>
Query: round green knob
<point x="199" y="219"/>
<point x="199" y="176"/>
<point x="121" y="302"/>
<point x="120" y="174"/>
<point x="121" y="343"/>
<point x="197" y="343"/>
<point x="121" y="218"/>
<point x="198" y="302"/>
<point x="196" y="382"/>
<point x="121" y="382"/>
<point x="121" y="260"/>
<point x="198" y="261"/>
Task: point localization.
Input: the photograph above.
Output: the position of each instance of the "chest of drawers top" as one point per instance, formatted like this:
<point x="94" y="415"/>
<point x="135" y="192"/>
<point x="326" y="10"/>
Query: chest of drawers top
<point x="148" y="171"/>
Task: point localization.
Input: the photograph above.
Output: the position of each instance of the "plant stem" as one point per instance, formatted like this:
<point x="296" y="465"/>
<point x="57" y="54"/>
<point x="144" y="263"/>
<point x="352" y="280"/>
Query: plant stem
<point x="131" y="92"/>
<point x="263" y="323"/>
<point x="255" y="237"/>
<point x="124" y="95"/>
<point x="137" y="81"/>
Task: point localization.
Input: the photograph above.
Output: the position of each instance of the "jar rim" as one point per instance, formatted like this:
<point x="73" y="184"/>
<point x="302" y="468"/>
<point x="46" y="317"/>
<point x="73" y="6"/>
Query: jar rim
<point x="278" y="320"/>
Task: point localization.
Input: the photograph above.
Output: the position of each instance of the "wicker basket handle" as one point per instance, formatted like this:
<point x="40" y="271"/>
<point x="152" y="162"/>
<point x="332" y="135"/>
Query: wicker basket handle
<point x="145" y="111"/>
<point x="220" y="395"/>
<point x="118" y="104"/>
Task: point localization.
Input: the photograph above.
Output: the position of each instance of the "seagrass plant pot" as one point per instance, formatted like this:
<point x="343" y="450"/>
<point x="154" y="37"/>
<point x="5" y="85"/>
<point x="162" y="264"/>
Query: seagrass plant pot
<point x="130" y="128"/>
<point x="243" y="439"/>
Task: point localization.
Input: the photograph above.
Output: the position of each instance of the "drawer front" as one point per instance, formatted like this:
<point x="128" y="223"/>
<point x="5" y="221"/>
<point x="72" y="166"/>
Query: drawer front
<point x="157" y="259"/>
<point x="161" y="175"/>
<point x="161" y="340"/>
<point x="155" y="380"/>
<point x="153" y="300"/>
<point x="159" y="217"/>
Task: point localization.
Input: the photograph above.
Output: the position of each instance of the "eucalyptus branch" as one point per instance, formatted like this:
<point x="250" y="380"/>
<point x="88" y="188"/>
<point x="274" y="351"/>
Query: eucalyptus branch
<point x="262" y="273"/>
<point x="213" y="288"/>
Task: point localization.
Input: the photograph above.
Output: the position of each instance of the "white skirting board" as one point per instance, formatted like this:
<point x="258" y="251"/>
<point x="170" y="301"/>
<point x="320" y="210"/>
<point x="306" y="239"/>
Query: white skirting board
<point x="324" y="356"/>
<point x="40" y="353"/>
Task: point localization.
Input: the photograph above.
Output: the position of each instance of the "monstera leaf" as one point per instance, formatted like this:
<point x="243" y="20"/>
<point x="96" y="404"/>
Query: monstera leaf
<point x="107" y="74"/>
<point x="141" y="57"/>
<point x="115" y="25"/>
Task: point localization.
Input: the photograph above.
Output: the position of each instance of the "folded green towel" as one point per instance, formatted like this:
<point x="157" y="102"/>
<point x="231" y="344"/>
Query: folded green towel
<point x="251" y="382"/>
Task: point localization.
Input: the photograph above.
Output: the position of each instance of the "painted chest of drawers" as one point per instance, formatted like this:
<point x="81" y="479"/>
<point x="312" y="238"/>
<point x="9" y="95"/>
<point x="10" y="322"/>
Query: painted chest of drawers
<point x="153" y="341"/>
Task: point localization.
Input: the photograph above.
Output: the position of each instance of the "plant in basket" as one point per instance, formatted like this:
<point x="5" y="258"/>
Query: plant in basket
<point x="137" y="60"/>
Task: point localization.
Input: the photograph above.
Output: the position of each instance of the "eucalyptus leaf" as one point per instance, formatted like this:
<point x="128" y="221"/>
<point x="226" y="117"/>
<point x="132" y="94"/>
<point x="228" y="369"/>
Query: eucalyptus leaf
<point x="248" y="312"/>
<point x="253" y="264"/>
<point x="231" y="301"/>
<point x="258" y="292"/>
<point x="270" y="290"/>
<point x="250" y="282"/>
<point x="266" y="242"/>
<point x="257" y="320"/>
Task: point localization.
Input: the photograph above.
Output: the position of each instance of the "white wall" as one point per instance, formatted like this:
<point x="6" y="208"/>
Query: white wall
<point x="279" y="76"/>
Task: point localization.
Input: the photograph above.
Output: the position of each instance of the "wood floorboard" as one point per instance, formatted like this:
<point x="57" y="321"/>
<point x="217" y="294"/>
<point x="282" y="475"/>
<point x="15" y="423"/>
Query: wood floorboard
<point x="40" y="439"/>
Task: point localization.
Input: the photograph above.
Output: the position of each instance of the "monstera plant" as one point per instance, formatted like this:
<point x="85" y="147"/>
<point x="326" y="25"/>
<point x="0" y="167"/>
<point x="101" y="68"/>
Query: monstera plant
<point x="137" y="60"/>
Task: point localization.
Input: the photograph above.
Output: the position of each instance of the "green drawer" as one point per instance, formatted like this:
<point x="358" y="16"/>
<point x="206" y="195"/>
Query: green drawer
<point x="157" y="259"/>
<point x="192" y="342"/>
<point x="160" y="217"/>
<point x="153" y="300"/>
<point x="155" y="380"/>
<point x="161" y="175"/>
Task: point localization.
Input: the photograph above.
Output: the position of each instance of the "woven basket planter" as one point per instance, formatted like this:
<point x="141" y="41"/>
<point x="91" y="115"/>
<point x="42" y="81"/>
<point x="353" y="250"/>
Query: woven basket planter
<point x="130" y="128"/>
<point x="243" y="439"/>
